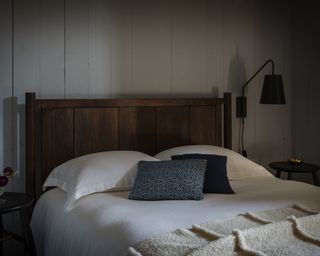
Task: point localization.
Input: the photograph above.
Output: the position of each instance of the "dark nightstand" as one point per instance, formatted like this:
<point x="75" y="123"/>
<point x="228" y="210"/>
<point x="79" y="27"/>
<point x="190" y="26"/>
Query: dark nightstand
<point x="17" y="202"/>
<point x="296" y="168"/>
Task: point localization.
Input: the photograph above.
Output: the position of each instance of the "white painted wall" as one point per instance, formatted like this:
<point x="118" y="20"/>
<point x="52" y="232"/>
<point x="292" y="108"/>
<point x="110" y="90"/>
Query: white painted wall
<point x="116" y="48"/>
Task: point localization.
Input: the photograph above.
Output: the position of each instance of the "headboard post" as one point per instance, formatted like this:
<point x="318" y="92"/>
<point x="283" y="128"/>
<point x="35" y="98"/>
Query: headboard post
<point x="30" y="143"/>
<point x="227" y="120"/>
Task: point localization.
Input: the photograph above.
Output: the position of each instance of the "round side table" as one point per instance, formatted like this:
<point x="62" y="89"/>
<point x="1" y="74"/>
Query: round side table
<point x="296" y="168"/>
<point x="17" y="202"/>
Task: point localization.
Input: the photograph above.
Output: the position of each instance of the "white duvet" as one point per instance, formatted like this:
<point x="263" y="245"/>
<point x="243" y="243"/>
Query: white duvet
<point x="108" y="223"/>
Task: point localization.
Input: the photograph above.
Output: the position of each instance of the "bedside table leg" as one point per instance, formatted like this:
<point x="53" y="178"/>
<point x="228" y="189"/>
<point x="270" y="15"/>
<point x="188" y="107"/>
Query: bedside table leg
<point x="278" y="174"/>
<point x="315" y="179"/>
<point x="27" y="232"/>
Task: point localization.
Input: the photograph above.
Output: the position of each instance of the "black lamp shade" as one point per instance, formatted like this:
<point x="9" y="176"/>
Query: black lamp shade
<point x="272" y="91"/>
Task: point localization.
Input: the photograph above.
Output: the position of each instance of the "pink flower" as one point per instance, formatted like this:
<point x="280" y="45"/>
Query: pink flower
<point x="3" y="181"/>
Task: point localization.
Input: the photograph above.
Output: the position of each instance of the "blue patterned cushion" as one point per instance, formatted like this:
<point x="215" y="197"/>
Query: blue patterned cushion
<point x="216" y="179"/>
<point x="169" y="180"/>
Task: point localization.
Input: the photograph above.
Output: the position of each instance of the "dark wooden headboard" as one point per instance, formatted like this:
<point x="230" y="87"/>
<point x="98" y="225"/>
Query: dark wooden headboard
<point x="61" y="129"/>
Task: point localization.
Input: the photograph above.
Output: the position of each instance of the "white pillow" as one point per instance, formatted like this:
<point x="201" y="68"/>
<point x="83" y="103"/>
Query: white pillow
<point x="238" y="167"/>
<point x="104" y="171"/>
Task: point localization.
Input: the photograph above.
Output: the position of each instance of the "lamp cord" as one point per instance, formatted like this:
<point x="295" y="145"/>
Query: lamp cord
<point x="243" y="151"/>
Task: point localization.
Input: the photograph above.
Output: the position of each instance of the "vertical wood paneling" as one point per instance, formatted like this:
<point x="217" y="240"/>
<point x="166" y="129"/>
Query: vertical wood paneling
<point x="26" y="47"/>
<point x="116" y="48"/>
<point x="8" y="144"/>
<point x="288" y="73"/>
<point x="306" y="104"/>
<point x="151" y="47"/>
<point x="77" y="48"/>
<point x="135" y="125"/>
<point x="95" y="130"/>
<point x="57" y="125"/>
<point x="214" y="34"/>
<point x="203" y="125"/>
<point x="304" y="63"/>
<point x="121" y="31"/>
<point x="189" y="47"/>
<point x="5" y="86"/>
<point x="172" y="126"/>
<point x="100" y="48"/>
<point x="26" y="74"/>
<point x="218" y="129"/>
<point x="308" y="63"/>
<point x="52" y="49"/>
<point x="272" y="123"/>
<point x="238" y="64"/>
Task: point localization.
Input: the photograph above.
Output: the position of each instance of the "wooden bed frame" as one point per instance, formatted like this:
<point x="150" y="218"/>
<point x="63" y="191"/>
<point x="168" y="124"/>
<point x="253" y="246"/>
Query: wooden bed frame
<point x="61" y="129"/>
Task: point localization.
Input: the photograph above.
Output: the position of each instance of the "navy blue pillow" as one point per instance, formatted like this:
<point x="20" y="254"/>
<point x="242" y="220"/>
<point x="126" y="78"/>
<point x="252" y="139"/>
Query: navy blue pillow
<point x="169" y="180"/>
<point x="216" y="179"/>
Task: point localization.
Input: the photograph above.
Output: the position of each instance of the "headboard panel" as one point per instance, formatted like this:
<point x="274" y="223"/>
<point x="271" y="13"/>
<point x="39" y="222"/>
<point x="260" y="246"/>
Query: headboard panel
<point x="59" y="130"/>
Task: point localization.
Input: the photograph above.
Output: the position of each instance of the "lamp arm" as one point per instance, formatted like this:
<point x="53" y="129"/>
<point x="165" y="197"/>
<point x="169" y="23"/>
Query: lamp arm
<point x="255" y="74"/>
<point x="243" y="102"/>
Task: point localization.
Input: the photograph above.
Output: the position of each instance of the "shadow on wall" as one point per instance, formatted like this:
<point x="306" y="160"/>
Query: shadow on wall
<point x="14" y="141"/>
<point x="11" y="157"/>
<point x="236" y="78"/>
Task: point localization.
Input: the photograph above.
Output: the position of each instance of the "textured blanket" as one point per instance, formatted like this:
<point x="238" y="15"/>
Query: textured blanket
<point x="293" y="230"/>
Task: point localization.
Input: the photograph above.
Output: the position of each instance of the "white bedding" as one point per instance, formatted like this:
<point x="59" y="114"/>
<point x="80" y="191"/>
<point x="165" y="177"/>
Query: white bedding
<point x="108" y="223"/>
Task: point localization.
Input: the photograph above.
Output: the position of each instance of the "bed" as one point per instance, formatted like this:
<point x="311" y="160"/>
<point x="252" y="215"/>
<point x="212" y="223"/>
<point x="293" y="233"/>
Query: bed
<point x="109" y="223"/>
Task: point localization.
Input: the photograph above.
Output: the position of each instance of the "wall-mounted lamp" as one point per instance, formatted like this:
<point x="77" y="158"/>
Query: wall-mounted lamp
<point x="272" y="93"/>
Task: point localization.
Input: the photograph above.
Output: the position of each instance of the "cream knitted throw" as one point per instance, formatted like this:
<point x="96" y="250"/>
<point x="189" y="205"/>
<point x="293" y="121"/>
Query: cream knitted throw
<point x="293" y="230"/>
